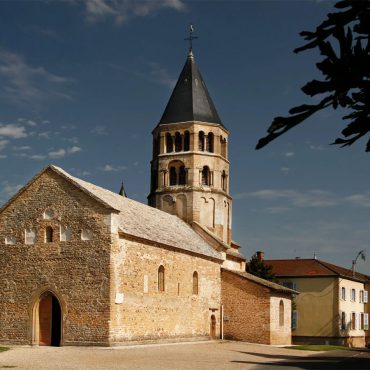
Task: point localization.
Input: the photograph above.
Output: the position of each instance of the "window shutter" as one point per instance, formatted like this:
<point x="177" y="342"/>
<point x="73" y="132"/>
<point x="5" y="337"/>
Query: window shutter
<point x="366" y="321"/>
<point x="365" y="296"/>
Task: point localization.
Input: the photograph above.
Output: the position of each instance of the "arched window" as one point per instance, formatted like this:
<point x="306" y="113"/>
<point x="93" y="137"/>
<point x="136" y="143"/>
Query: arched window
<point x="173" y="176"/>
<point x="223" y="147"/>
<point x="210" y="139"/>
<point x="178" y="142"/>
<point x="177" y="173"/>
<point x="161" y="279"/>
<point x="223" y="180"/>
<point x="205" y="176"/>
<point x="186" y="141"/>
<point x="201" y="141"/>
<point x="169" y="143"/>
<point x="49" y="234"/>
<point x="182" y="176"/>
<point x="281" y="313"/>
<point x="195" y="282"/>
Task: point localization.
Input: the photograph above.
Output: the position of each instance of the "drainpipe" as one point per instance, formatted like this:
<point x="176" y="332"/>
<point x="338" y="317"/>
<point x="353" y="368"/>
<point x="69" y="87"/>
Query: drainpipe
<point x="222" y="322"/>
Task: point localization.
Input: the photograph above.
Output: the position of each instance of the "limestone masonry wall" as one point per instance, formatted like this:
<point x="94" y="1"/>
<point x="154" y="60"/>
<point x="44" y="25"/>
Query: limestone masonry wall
<point x="76" y="271"/>
<point x="145" y="313"/>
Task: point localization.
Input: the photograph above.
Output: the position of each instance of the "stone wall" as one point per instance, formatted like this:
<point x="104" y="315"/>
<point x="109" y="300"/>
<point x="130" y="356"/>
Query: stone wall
<point x="246" y="309"/>
<point x="140" y="312"/>
<point x="280" y="324"/>
<point x="210" y="205"/>
<point x="76" y="271"/>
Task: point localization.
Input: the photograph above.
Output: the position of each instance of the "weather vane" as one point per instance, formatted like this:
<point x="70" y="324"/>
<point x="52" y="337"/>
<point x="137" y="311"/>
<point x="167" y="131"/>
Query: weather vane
<point x="191" y="37"/>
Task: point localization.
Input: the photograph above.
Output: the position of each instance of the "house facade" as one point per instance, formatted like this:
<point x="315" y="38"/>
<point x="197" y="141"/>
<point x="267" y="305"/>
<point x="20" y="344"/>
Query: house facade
<point x="81" y="265"/>
<point x="332" y="306"/>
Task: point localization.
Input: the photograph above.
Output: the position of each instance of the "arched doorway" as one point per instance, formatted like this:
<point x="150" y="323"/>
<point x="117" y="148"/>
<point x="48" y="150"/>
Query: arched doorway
<point x="49" y="320"/>
<point x="213" y="327"/>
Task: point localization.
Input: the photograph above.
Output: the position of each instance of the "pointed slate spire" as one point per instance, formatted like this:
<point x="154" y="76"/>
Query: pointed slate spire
<point x="190" y="100"/>
<point x="122" y="191"/>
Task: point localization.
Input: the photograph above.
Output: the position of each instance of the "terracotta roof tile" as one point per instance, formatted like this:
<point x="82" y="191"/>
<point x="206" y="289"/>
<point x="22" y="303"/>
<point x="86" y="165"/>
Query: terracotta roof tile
<point x="311" y="267"/>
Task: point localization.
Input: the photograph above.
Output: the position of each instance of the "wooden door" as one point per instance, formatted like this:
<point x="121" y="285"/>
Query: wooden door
<point x="213" y="327"/>
<point x="45" y="319"/>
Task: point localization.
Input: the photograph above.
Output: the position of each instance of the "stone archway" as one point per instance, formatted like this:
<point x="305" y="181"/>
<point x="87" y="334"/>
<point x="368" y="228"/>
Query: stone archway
<point x="47" y="320"/>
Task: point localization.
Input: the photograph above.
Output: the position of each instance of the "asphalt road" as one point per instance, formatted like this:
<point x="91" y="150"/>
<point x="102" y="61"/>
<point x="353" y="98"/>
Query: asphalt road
<point x="204" y="355"/>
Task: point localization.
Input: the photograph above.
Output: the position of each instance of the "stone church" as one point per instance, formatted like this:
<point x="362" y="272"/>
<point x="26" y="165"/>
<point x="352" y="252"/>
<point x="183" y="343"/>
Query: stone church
<point x="81" y="265"/>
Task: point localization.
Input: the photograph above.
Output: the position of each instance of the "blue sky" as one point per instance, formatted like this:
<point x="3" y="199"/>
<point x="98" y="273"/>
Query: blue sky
<point x="83" y="83"/>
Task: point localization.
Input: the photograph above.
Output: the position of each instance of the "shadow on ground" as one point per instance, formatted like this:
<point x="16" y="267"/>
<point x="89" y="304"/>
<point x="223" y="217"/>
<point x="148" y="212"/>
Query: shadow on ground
<point x="334" y="360"/>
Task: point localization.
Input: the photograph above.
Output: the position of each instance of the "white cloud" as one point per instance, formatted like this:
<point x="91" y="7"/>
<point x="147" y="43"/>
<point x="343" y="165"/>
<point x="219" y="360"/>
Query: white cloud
<point x="8" y="189"/>
<point x="57" y="153"/>
<point x="13" y="131"/>
<point x="359" y="200"/>
<point x="63" y="152"/>
<point x="121" y="10"/>
<point x="310" y="198"/>
<point x="22" y="83"/>
<point x="3" y="156"/>
<point x="285" y="170"/>
<point x="110" y="168"/>
<point x="74" y="149"/>
<point x="37" y="157"/>
<point x="289" y="154"/>
<point x="21" y="148"/>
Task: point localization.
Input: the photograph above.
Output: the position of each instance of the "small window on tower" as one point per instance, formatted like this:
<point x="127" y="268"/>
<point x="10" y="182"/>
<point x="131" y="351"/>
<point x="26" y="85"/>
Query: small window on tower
<point x="178" y="142"/>
<point x="201" y="141"/>
<point x="206" y="176"/>
<point x="186" y="141"/>
<point x="169" y="143"/>
<point x="182" y="176"/>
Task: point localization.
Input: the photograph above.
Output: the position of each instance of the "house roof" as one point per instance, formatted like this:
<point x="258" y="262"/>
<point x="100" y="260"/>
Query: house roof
<point x="190" y="99"/>
<point x="258" y="280"/>
<point x="140" y="220"/>
<point x="312" y="267"/>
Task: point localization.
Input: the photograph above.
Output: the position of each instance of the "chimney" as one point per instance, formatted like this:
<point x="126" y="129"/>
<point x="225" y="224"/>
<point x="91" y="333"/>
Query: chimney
<point x="260" y="255"/>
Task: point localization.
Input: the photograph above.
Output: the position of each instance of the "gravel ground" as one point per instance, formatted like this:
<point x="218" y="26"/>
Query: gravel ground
<point x="202" y="355"/>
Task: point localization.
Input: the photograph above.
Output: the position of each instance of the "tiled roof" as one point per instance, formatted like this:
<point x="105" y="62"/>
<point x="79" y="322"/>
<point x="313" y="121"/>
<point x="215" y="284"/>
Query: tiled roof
<point x="258" y="280"/>
<point x="311" y="267"/>
<point x="146" y="222"/>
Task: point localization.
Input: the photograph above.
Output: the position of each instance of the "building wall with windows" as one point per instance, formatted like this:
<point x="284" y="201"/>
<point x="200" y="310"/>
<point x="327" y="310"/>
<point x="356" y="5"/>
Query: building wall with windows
<point x="69" y="259"/>
<point x="191" y="178"/>
<point x="252" y="310"/>
<point x="73" y="267"/>
<point x="322" y="315"/>
<point x="162" y="297"/>
<point x="352" y="313"/>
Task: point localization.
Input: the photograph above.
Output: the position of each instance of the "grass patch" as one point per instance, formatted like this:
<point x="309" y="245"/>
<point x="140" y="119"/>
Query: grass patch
<point x="3" y="349"/>
<point x="318" y="347"/>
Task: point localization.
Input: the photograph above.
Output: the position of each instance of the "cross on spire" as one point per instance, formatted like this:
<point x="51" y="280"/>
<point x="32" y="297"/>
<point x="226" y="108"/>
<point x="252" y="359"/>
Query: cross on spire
<point x="191" y="37"/>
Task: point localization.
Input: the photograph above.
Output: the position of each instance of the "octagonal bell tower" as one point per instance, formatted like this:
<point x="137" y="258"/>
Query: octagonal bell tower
<point x="190" y="167"/>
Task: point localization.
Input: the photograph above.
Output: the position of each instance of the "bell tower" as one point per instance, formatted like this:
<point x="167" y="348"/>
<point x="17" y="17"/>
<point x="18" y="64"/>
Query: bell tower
<point x="190" y="167"/>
